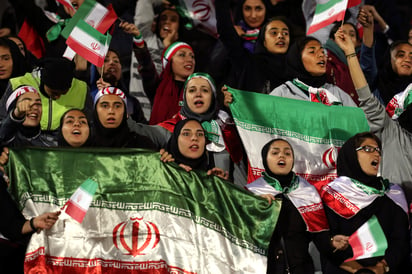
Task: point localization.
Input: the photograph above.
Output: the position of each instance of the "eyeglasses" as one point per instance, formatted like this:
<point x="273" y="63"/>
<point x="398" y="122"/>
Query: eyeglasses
<point x="369" y="149"/>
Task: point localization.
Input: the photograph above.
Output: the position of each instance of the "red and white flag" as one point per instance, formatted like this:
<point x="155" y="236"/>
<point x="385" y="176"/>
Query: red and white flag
<point x="79" y="202"/>
<point x="89" y="43"/>
<point x="94" y="14"/>
<point x="368" y="241"/>
<point x="67" y="4"/>
<point x="327" y="13"/>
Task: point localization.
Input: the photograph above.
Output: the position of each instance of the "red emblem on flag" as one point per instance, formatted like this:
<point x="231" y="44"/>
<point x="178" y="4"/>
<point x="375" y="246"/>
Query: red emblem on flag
<point x="136" y="236"/>
<point x="331" y="12"/>
<point x="201" y="10"/>
<point x="95" y="46"/>
<point x="329" y="157"/>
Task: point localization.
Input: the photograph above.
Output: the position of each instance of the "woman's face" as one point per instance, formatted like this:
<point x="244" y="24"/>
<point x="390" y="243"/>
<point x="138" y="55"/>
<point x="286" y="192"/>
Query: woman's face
<point x="168" y="23"/>
<point x="112" y="68"/>
<point x="280" y="158"/>
<point x="314" y="58"/>
<point x="110" y="110"/>
<point x="254" y="12"/>
<point x="6" y="63"/>
<point x="401" y="60"/>
<point x="369" y="161"/>
<point x="191" y="140"/>
<point x="349" y="30"/>
<point x="33" y="116"/>
<point x="198" y="95"/>
<point x="19" y="44"/>
<point x="183" y="64"/>
<point x="277" y="37"/>
<point x="75" y="128"/>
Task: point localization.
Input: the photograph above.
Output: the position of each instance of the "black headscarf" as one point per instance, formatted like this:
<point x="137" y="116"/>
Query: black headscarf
<point x="284" y="180"/>
<point x="238" y="12"/>
<point x="388" y="82"/>
<point x="117" y="137"/>
<point x="20" y="66"/>
<point x="295" y="67"/>
<point x="348" y="163"/>
<point x="173" y="148"/>
<point x="57" y="72"/>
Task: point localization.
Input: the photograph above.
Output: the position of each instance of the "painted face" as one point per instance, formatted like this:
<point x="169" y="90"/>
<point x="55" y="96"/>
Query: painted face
<point x="183" y="64"/>
<point x="54" y="94"/>
<point x="75" y="128"/>
<point x="168" y="22"/>
<point x="6" y="63"/>
<point x="369" y="161"/>
<point x="280" y="158"/>
<point x="33" y="116"/>
<point x="112" y="71"/>
<point x="254" y="12"/>
<point x="191" y="141"/>
<point x="401" y="59"/>
<point x="198" y="95"/>
<point x="110" y="110"/>
<point x="277" y="37"/>
<point x="351" y="32"/>
<point x="314" y="58"/>
<point x="19" y="44"/>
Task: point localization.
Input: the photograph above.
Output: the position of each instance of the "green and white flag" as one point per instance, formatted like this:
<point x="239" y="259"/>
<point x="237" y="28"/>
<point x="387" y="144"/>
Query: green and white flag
<point x="368" y="241"/>
<point x="315" y="131"/>
<point x="146" y="216"/>
<point x="326" y="13"/>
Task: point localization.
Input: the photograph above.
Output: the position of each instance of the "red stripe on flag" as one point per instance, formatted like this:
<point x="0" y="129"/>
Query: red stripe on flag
<point x="337" y="202"/>
<point x="356" y="245"/>
<point x="74" y="211"/>
<point x="352" y="3"/>
<point x="327" y="22"/>
<point x="107" y="21"/>
<point x="84" y="52"/>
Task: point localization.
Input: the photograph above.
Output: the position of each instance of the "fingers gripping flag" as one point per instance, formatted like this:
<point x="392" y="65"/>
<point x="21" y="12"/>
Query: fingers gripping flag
<point x="368" y="241"/>
<point x="79" y="202"/>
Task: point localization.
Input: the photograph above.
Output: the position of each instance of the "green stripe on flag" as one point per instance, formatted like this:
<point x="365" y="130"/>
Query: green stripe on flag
<point x="89" y="186"/>
<point x="303" y="120"/>
<point x="378" y="236"/>
<point x="80" y="14"/>
<point x="136" y="179"/>
<point x="323" y="7"/>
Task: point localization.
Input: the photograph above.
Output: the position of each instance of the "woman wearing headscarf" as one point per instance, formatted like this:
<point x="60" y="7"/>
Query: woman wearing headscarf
<point x="223" y="142"/>
<point x="260" y="70"/>
<point x="74" y="129"/>
<point x="296" y="227"/>
<point x="362" y="195"/>
<point x="110" y="128"/>
<point x="187" y="145"/>
<point x="12" y="63"/>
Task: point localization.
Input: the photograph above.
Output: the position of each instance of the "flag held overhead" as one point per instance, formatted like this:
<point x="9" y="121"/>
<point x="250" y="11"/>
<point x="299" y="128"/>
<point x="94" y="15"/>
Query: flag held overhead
<point x="327" y="13"/>
<point x="79" y="202"/>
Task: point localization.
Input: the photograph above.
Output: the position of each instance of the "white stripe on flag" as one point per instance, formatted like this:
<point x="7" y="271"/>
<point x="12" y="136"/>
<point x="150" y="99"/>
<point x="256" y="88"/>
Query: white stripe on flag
<point x="82" y="198"/>
<point x="96" y="15"/>
<point x="87" y="41"/>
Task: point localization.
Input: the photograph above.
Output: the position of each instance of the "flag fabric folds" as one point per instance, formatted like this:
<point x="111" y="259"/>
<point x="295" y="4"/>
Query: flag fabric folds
<point x="368" y="241"/>
<point x="315" y="131"/>
<point x="79" y="202"/>
<point x="327" y="13"/>
<point x="89" y="43"/>
<point x="200" y="13"/>
<point x="94" y="14"/>
<point x="146" y="216"/>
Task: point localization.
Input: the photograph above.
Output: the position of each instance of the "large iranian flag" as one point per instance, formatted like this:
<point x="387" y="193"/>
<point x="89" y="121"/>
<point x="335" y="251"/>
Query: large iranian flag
<point x="146" y="216"/>
<point x="326" y="13"/>
<point x="315" y="131"/>
<point x="94" y="14"/>
<point x="89" y="43"/>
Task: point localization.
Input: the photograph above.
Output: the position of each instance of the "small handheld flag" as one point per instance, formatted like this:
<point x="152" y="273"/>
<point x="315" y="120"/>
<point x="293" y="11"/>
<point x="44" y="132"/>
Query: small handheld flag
<point x="368" y="241"/>
<point x="79" y="202"/>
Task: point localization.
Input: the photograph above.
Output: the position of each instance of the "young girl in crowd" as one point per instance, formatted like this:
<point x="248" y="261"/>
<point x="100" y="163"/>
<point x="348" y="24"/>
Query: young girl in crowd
<point x="296" y="227"/>
<point x="306" y="69"/>
<point x="110" y="127"/>
<point x="364" y="194"/>
<point x="74" y="130"/>
<point x="12" y="63"/>
<point x="200" y="103"/>
<point x="188" y="148"/>
<point x="21" y="127"/>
